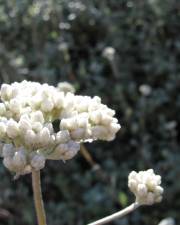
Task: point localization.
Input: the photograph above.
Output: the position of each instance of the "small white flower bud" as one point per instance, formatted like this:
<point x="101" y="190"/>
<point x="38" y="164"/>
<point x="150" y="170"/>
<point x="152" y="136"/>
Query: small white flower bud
<point x="69" y="101"/>
<point x="82" y="122"/>
<point x="132" y="175"/>
<point x="15" y="106"/>
<point x="142" y="190"/>
<point x="64" y="124"/>
<point x="132" y="184"/>
<point x="62" y="136"/>
<point x="68" y="124"/>
<point x="145" y="89"/>
<point x="30" y="137"/>
<point x="37" y="117"/>
<point x="73" y="148"/>
<point x="15" y="91"/>
<point x="159" y="190"/>
<point x="78" y="134"/>
<point x="110" y="112"/>
<point x="97" y="99"/>
<point x="96" y="116"/>
<point x="38" y="161"/>
<point x="37" y="126"/>
<point x="8" y="150"/>
<point x="106" y="119"/>
<point x="44" y="136"/>
<point x="150" y="199"/>
<point x="6" y="92"/>
<point x="58" y="100"/>
<point x="49" y="127"/>
<point x="19" y="160"/>
<point x="12" y="128"/>
<point x="67" y="114"/>
<point x="47" y="105"/>
<point x="24" y="124"/>
<point x="99" y="132"/>
<point x="109" y="53"/>
<point x="45" y="92"/>
<point x="35" y="102"/>
<point x="65" y="87"/>
<point x="114" y="127"/>
<point x="83" y="106"/>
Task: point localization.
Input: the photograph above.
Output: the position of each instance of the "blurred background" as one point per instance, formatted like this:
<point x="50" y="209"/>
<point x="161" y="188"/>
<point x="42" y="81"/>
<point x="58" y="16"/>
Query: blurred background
<point x="127" y="52"/>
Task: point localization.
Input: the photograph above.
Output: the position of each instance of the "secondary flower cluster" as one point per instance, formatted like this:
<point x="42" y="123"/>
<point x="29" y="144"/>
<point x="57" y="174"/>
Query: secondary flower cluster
<point x="146" y="187"/>
<point x="28" y="111"/>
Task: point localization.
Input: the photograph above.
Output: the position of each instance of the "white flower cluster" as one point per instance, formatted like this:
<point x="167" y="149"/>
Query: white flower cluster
<point x="146" y="187"/>
<point x="27" y="113"/>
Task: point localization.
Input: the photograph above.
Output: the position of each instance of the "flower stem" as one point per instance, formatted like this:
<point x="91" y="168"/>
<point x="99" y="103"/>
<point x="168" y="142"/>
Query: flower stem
<point x="38" y="201"/>
<point x="117" y="215"/>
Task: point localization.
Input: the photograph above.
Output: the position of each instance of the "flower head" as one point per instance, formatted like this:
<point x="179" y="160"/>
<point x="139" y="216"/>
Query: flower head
<point x="109" y="53"/>
<point x="146" y="186"/>
<point x="27" y="113"/>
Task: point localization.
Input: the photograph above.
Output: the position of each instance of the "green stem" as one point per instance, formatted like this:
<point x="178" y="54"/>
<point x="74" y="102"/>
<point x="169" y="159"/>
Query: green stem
<point x="38" y="201"/>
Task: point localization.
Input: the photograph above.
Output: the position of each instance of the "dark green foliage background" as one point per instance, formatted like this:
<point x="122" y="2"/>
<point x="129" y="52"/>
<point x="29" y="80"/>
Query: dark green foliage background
<point x="57" y="40"/>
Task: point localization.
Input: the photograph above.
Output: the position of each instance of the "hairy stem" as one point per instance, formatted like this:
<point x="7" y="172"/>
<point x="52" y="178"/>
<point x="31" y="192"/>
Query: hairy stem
<point x="36" y="184"/>
<point x="117" y="215"/>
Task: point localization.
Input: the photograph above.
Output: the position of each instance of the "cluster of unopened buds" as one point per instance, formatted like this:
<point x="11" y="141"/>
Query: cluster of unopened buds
<point x="146" y="187"/>
<point x="28" y="112"/>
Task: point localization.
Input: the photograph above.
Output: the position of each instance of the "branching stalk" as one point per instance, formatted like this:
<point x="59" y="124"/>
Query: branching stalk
<point x="117" y="215"/>
<point x="89" y="158"/>
<point x="38" y="201"/>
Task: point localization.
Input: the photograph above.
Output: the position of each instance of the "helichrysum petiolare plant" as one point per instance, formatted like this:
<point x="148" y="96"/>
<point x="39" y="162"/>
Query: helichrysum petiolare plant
<point x="28" y="111"/>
